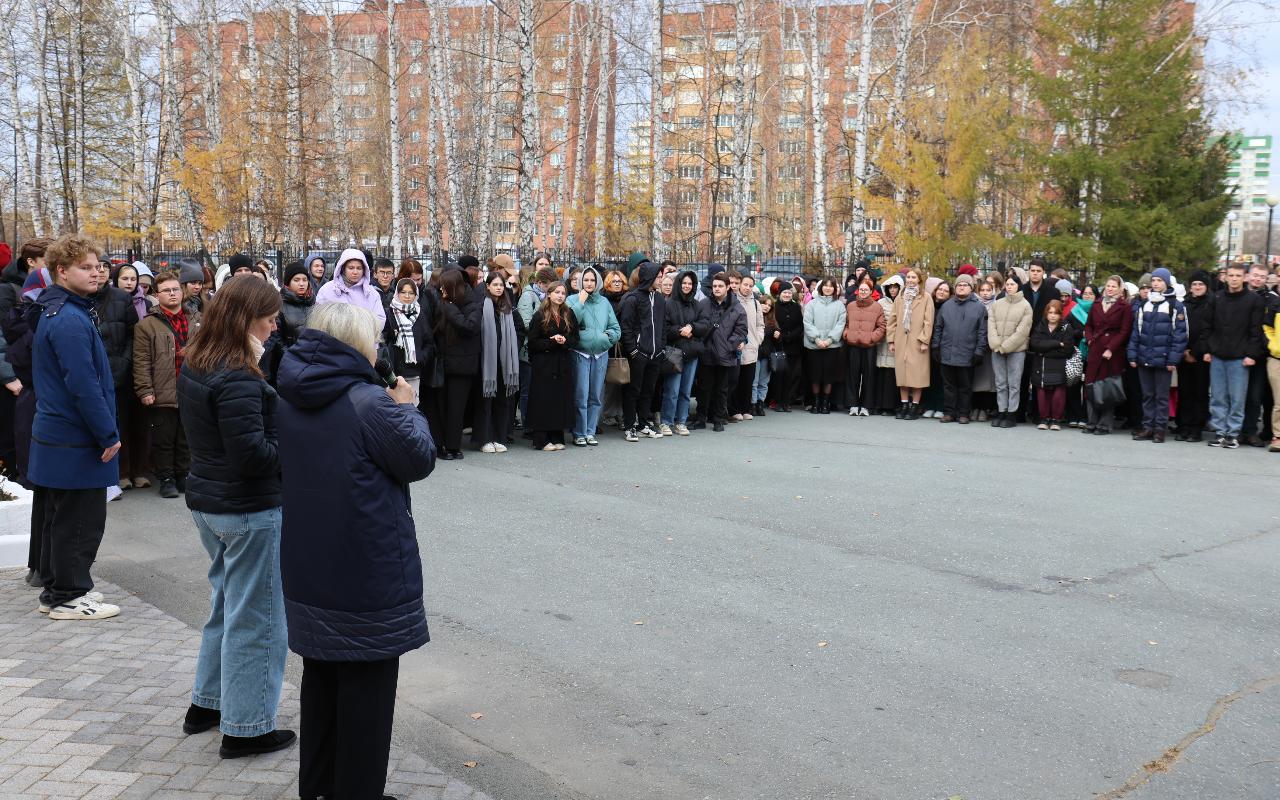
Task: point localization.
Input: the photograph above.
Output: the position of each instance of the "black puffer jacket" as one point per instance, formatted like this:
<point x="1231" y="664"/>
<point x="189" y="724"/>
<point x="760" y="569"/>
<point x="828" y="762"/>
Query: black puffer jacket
<point x="11" y="280"/>
<point x="684" y="309"/>
<point x="1050" y="350"/>
<point x="457" y="337"/>
<point x="790" y="318"/>
<point x="116" y="319"/>
<point x="641" y="316"/>
<point x="230" y="420"/>
<point x="728" y="322"/>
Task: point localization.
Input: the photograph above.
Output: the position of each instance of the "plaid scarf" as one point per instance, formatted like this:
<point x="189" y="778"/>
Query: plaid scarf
<point x="178" y="324"/>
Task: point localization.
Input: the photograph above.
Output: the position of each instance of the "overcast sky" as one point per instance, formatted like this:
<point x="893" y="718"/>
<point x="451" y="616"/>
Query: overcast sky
<point x="1260" y="38"/>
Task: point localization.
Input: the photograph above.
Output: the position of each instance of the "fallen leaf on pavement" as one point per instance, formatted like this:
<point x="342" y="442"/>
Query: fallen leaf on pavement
<point x="469" y="764"/>
<point x="476" y="715"/>
<point x="638" y="622"/>
<point x="822" y="644"/>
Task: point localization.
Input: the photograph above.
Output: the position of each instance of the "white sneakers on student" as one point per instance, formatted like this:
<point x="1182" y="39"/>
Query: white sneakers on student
<point x="84" y="608"/>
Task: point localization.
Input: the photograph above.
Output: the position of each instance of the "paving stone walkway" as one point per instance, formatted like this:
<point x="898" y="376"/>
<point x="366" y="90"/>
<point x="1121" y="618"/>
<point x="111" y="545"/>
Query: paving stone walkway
<point x="93" y="710"/>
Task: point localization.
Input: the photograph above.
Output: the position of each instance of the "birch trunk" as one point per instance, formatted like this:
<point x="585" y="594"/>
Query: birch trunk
<point x="443" y="91"/>
<point x="562" y="175"/>
<point x="741" y="126"/>
<point x="491" y="132"/>
<point x="579" y="196"/>
<point x="604" y="113"/>
<point x="393" y="137"/>
<point x="170" y="116"/>
<point x="819" y="122"/>
<point x="855" y="243"/>
<point x="256" y="210"/>
<point x="293" y="132"/>
<point x="658" y="176"/>
<point x="895" y="117"/>
<point x="28" y="196"/>
<point x="528" y="175"/>
<point x="341" y="204"/>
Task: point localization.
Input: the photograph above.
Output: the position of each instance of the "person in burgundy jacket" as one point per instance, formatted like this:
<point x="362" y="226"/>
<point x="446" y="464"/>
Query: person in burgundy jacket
<point x="1107" y="333"/>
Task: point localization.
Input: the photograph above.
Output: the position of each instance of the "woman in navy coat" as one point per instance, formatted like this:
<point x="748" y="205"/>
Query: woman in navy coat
<point x="351" y="572"/>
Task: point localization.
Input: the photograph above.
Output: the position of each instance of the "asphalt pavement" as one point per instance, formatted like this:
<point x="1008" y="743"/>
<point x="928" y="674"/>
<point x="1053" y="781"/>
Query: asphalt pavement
<point x="827" y="607"/>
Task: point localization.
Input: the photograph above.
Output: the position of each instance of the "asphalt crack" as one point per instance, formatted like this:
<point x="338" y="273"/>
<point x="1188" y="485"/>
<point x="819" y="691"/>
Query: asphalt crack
<point x="1174" y="754"/>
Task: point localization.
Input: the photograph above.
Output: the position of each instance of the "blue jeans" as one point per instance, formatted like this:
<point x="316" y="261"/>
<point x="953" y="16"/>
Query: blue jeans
<point x="1228" y="385"/>
<point x="677" y="389"/>
<point x="588" y="392"/>
<point x="760" y="387"/>
<point x="244" y="643"/>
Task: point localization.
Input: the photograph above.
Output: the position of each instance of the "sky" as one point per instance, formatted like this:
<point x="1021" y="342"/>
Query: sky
<point x="1255" y="51"/>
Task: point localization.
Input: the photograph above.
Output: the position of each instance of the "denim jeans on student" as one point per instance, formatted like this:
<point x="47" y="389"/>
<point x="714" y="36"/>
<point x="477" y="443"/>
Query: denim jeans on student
<point x="244" y="643"/>
<point x="760" y="388"/>
<point x="677" y="389"/>
<point x="1228" y="384"/>
<point x="588" y="391"/>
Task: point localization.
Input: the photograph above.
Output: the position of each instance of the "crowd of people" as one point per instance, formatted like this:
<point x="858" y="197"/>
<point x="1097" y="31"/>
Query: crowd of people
<point x="213" y="382"/>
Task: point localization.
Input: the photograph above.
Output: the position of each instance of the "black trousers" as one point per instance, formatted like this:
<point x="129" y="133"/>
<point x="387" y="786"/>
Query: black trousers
<point x="71" y="523"/>
<point x="131" y="421"/>
<point x="457" y="388"/>
<point x="347" y="711"/>
<point x="1193" y="397"/>
<point x="170" y="457"/>
<point x="1257" y="403"/>
<point x="637" y="396"/>
<point x="860" y="384"/>
<point x="957" y="390"/>
<point x="8" y="446"/>
<point x="493" y="415"/>
<point x="717" y="390"/>
<point x="740" y="391"/>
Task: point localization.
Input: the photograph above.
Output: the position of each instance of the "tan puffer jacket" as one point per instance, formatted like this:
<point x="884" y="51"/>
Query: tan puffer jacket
<point x="1009" y="324"/>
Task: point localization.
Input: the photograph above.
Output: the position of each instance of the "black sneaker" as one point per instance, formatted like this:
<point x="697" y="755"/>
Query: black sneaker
<point x="631" y="435"/>
<point x="181" y="482"/>
<point x="1231" y="443"/>
<point x="1218" y="441"/>
<point x="718" y="427"/>
<point x="168" y="489"/>
<point x="200" y="719"/>
<point x="241" y="746"/>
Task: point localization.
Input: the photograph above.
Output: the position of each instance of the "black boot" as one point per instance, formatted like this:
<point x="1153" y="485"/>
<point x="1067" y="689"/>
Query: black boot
<point x="200" y="719"/>
<point x="901" y="413"/>
<point x="824" y="404"/>
<point x="996" y="418"/>
<point x="816" y="408"/>
<point x="913" y="411"/>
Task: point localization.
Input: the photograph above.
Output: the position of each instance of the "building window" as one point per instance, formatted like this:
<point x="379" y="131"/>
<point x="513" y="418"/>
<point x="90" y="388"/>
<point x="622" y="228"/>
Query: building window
<point x="724" y="146"/>
<point x="791" y="146"/>
<point x="790" y="171"/>
<point x="724" y="221"/>
<point x="725" y="171"/>
<point x="415" y="136"/>
<point x="687" y="196"/>
<point x="875" y="225"/>
<point x="505" y="226"/>
<point x="689" y="172"/>
<point x="790" y="121"/>
<point x="366" y="179"/>
<point x="684" y="221"/>
<point x="724" y="120"/>
<point x="691" y="122"/>
<point x="688" y="98"/>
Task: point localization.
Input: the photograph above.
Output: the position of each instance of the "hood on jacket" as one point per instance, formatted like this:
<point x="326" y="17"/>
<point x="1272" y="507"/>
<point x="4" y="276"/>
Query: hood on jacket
<point x="328" y="268"/>
<point x="599" y="281"/>
<point x="13" y="274"/>
<point x="895" y="279"/>
<point x="319" y="369"/>
<point x="220" y="277"/>
<point x="648" y="274"/>
<point x="347" y="255"/>
<point x="676" y="291"/>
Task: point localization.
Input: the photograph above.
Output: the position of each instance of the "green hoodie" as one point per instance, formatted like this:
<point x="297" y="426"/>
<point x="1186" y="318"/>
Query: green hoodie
<point x="598" y="328"/>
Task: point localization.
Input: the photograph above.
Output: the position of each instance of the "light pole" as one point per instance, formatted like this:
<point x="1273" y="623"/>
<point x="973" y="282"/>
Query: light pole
<point x="1231" y="218"/>
<point x="1272" y="202"/>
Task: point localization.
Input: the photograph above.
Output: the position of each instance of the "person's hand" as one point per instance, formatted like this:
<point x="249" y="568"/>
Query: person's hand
<point x="1208" y="359"/>
<point x="1249" y="362"/>
<point x="583" y="295"/>
<point x="686" y="331"/>
<point x="1171" y="368"/>
<point x="1133" y="364"/>
<point x="924" y="348"/>
<point x="777" y="334"/>
<point x="148" y="400"/>
<point x="110" y="452"/>
<point x="1106" y="354"/>
<point x="402" y="392"/>
<point x="558" y="339"/>
<point x="1187" y="357"/>
<point x="741" y="345"/>
<point x="14" y="386"/>
<point x="892" y="348"/>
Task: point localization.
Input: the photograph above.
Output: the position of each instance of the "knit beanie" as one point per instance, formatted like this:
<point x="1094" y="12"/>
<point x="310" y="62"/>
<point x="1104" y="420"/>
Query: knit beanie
<point x="965" y="278"/>
<point x="967" y="269"/>
<point x="294" y="268"/>
<point x="190" y="271"/>
<point x="1203" y="276"/>
<point x="6" y="254"/>
<point x="1064" y="287"/>
<point x="635" y="260"/>
<point x="239" y="261"/>
<point x="1164" y="275"/>
<point x="468" y="261"/>
<point x="1145" y="281"/>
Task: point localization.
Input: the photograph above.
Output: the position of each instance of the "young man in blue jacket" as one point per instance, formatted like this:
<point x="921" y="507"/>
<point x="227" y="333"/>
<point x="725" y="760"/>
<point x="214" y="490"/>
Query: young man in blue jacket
<point x="1157" y="344"/>
<point x="74" y="440"/>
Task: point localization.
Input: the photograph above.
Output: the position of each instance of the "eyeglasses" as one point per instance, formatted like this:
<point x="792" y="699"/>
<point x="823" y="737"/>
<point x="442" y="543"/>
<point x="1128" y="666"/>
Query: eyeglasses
<point x="170" y="290"/>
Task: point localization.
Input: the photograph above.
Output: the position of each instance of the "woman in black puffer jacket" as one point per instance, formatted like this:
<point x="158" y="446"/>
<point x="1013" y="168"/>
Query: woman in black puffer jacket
<point x="458" y="341"/>
<point x="297" y="299"/>
<point x="233" y="490"/>
<point x="116" y="318"/>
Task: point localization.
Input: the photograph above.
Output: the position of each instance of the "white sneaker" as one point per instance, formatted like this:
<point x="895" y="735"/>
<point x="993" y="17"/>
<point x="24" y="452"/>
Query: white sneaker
<point x="499" y="447"/>
<point x="488" y="448"/>
<point x="682" y="430"/>
<point x="114" y="493"/>
<point x="747" y="416"/>
<point x="737" y="418"/>
<point x="664" y="429"/>
<point x="559" y="445"/>
<point x="94" y="596"/>
<point x="650" y="433"/>
<point x="862" y="412"/>
<point x="853" y="412"/>
<point x="84" y="608"/>
<point x="549" y="448"/>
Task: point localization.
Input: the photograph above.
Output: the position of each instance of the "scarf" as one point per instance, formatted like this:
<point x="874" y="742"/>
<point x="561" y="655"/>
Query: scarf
<point x="257" y="347"/>
<point x="140" y="306"/>
<point x="404" y="315"/>
<point x="1107" y="303"/>
<point x="908" y="297"/>
<point x="490" y="357"/>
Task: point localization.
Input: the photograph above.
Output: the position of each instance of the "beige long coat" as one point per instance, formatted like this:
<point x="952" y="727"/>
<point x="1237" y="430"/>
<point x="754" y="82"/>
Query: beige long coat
<point x="910" y="364"/>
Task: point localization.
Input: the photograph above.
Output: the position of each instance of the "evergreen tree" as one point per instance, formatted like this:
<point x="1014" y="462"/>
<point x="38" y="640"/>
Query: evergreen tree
<point x="1132" y="181"/>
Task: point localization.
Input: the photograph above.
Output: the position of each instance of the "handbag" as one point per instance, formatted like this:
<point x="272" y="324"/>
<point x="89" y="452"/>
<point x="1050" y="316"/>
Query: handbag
<point x="618" y="371"/>
<point x="672" y="360"/>
<point x="1075" y="368"/>
<point x="778" y="361"/>
<point x="1108" y="391"/>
